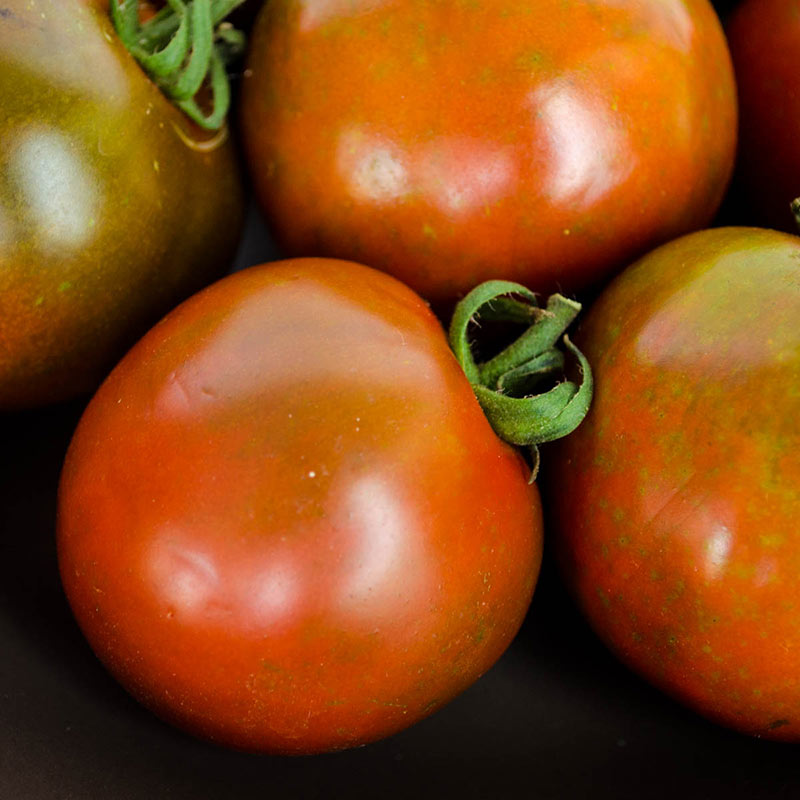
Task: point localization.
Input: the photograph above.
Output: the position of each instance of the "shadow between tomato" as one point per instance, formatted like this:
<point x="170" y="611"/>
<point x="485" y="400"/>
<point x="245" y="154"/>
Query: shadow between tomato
<point x="34" y="613"/>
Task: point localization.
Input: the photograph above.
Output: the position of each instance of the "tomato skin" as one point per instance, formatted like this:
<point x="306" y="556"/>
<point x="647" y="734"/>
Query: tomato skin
<point x="113" y="205"/>
<point x="545" y="142"/>
<point x="284" y="522"/>
<point x="675" y="503"/>
<point x="764" y="38"/>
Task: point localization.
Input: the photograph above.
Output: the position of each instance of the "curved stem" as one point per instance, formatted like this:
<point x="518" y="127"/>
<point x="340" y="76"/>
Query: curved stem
<point x="507" y="385"/>
<point x="183" y="47"/>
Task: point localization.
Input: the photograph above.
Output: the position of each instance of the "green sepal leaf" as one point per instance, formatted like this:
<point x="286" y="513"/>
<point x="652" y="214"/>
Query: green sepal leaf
<point x="125" y="16"/>
<point x="468" y="309"/>
<point x="182" y="47"/>
<point x="521" y="380"/>
<point x="220" y="95"/>
<point x="506" y="385"/>
<point x="171" y="57"/>
<point x="548" y="325"/>
<point x="187" y="82"/>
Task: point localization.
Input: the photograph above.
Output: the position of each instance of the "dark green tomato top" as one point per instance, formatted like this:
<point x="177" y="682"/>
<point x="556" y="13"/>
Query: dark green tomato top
<point x="113" y="205"/>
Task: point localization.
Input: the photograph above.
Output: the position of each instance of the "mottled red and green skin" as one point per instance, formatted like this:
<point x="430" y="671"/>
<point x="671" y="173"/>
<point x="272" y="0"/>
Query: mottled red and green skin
<point x="449" y="142"/>
<point x="764" y="38"/>
<point x="285" y="524"/>
<point x="675" y="504"/>
<point x="113" y="205"/>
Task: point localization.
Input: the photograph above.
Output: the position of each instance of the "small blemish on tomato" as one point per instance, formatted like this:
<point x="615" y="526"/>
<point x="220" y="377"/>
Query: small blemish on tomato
<point x="778" y="723"/>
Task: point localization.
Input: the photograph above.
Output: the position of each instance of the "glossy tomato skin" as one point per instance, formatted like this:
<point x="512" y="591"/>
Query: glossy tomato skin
<point x="675" y="503"/>
<point x="113" y="206"/>
<point x="447" y="143"/>
<point x="284" y="522"/>
<point x="764" y="39"/>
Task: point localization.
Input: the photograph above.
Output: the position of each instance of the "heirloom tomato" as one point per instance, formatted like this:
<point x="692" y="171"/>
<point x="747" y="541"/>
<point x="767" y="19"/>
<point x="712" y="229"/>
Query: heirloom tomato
<point x="543" y="141"/>
<point x="764" y="38"/>
<point x="113" y="205"/>
<point x="675" y="504"/>
<point x="285" y="523"/>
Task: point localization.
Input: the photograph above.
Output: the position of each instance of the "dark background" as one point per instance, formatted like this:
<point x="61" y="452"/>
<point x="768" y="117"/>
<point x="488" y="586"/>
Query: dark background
<point x="556" y="718"/>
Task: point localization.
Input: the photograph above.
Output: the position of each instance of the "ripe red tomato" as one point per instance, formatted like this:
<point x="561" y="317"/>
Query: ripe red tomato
<point x="543" y="141"/>
<point x="285" y="523"/>
<point x="675" y="503"/>
<point x="114" y="206"/>
<point x="764" y="36"/>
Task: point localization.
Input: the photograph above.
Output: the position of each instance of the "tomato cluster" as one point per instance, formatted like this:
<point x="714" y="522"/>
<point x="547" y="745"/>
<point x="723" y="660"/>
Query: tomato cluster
<point x="294" y="517"/>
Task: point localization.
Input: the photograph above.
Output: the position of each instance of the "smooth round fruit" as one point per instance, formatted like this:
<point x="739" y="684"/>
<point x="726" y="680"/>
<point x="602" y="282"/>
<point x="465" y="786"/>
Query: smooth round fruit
<point x="675" y="503"/>
<point x="542" y="141"/>
<point x="113" y="205"/>
<point x="285" y="523"/>
<point x="764" y="37"/>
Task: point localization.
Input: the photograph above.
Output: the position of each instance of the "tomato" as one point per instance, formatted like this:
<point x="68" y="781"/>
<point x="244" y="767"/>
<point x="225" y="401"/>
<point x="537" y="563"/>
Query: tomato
<point x="285" y="523"/>
<point x="764" y="37"/>
<point x="543" y="141"/>
<point x="675" y="504"/>
<point x="113" y="205"/>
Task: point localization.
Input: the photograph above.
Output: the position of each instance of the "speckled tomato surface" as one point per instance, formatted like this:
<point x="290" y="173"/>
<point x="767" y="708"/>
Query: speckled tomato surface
<point x="764" y="38"/>
<point x="675" y="504"/>
<point x="449" y="142"/>
<point x="114" y="206"/>
<point x="285" y="523"/>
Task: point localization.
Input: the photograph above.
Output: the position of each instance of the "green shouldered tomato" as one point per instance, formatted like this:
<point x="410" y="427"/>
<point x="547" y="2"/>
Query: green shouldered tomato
<point x="113" y="205"/>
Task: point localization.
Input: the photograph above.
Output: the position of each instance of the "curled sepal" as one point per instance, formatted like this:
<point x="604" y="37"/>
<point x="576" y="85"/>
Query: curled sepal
<point x="508" y="386"/>
<point x="220" y="93"/>
<point x="183" y="47"/>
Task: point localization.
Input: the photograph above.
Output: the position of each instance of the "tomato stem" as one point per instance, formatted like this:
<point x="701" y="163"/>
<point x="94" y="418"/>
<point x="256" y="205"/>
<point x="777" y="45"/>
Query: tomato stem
<point x="507" y="385"/>
<point x="182" y="48"/>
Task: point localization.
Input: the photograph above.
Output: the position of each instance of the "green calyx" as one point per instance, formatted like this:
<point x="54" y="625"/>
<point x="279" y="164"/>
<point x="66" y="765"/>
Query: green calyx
<point x="182" y="47"/>
<point x="507" y="385"/>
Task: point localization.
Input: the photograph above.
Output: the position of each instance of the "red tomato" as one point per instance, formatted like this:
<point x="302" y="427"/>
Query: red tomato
<point x="675" y="503"/>
<point x="764" y="37"/>
<point x="543" y="141"/>
<point x="285" y="523"/>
